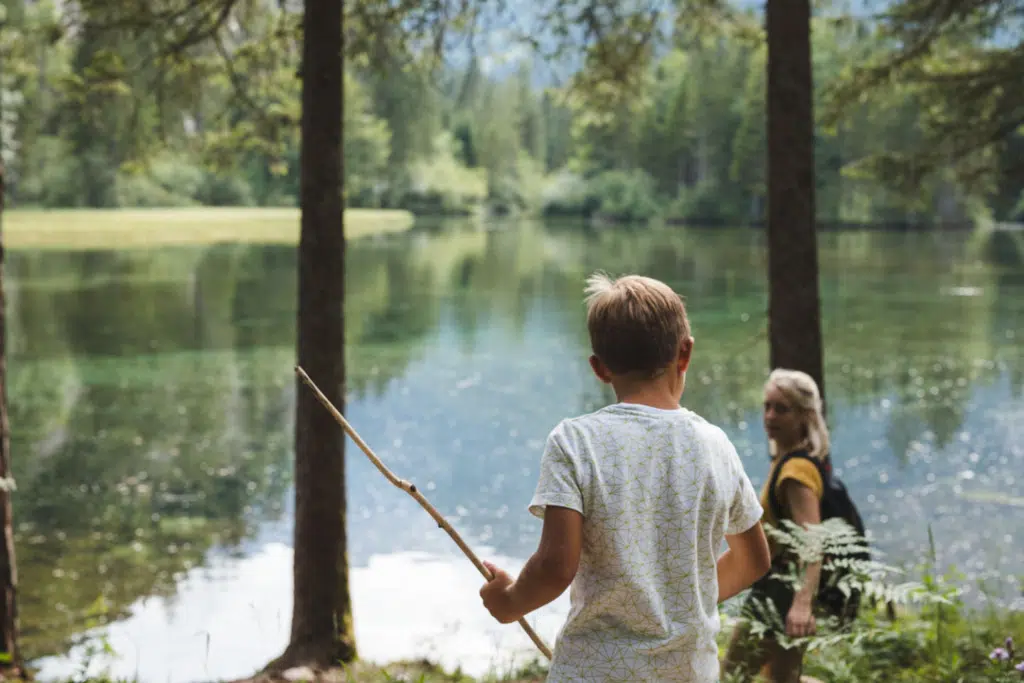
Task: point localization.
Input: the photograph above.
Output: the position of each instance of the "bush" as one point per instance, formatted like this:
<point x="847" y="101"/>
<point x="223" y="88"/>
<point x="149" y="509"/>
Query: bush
<point x="133" y="190"/>
<point x="518" y="190"/>
<point x="937" y="640"/>
<point x="709" y="202"/>
<point x="51" y="182"/>
<point x="225" y="190"/>
<point x="962" y="646"/>
<point x="564" y="194"/>
<point x="621" y="196"/>
<point x="440" y="185"/>
<point x="177" y="176"/>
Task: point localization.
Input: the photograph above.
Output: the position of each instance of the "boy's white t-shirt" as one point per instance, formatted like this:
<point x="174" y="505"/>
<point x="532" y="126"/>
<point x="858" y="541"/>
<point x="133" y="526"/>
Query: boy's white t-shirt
<point x="658" y="490"/>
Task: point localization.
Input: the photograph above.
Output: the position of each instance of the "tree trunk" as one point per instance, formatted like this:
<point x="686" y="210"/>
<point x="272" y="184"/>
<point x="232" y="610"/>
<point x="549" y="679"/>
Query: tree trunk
<point x="794" y="309"/>
<point x="321" y="632"/>
<point x="8" y="567"/>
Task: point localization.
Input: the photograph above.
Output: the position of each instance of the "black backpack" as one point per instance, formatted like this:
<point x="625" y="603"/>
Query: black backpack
<point x="835" y="502"/>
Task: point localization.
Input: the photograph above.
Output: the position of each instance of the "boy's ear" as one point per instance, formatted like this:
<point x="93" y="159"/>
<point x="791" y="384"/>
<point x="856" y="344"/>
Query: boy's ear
<point x="600" y="369"/>
<point x="685" y="352"/>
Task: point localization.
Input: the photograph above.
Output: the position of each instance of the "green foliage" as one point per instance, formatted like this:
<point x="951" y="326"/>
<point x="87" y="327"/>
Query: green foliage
<point x="367" y="145"/>
<point x="958" y="63"/>
<point x="519" y="189"/>
<point x="703" y="203"/>
<point x="223" y="189"/>
<point x="835" y="543"/>
<point x="909" y="651"/>
<point x="623" y="196"/>
<point x="140" y="191"/>
<point x="127" y="112"/>
<point x="174" y="181"/>
<point x="936" y="637"/>
<point x="564" y="194"/>
<point x="440" y="185"/>
<point x="52" y="180"/>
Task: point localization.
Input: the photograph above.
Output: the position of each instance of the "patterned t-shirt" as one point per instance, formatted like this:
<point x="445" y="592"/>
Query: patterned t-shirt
<point x="658" y="490"/>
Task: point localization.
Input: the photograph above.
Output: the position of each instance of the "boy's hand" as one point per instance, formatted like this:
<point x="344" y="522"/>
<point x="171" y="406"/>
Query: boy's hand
<point x="497" y="597"/>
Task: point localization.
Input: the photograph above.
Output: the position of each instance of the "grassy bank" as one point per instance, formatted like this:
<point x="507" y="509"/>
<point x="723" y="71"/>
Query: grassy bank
<point x="943" y="644"/>
<point x="932" y="644"/>
<point x="420" y="671"/>
<point x="926" y="647"/>
<point x="133" y="228"/>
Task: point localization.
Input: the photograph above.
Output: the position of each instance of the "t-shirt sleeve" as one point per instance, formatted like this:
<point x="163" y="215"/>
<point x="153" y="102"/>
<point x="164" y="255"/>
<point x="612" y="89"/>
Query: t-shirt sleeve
<point x="559" y="481"/>
<point x="745" y="508"/>
<point x="803" y="471"/>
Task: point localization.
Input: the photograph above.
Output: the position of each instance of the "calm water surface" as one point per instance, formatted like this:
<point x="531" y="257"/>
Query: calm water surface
<point x="152" y="396"/>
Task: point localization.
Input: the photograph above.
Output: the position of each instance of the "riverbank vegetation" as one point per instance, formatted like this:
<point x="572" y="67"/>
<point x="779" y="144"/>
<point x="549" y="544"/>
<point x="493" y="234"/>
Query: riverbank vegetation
<point x="928" y="646"/>
<point x="477" y="134"/>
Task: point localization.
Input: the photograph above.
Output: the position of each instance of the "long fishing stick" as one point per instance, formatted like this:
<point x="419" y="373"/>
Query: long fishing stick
<point x="411" y="489"/>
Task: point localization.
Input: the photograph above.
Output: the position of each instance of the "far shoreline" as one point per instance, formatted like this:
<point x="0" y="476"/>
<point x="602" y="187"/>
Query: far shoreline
<point x="33" y="229"/>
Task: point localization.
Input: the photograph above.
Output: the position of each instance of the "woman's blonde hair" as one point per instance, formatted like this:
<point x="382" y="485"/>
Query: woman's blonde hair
<point x="802" y="394"/>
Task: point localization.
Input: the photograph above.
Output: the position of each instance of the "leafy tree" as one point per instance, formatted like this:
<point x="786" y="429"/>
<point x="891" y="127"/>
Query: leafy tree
<point x="960" y="62"/>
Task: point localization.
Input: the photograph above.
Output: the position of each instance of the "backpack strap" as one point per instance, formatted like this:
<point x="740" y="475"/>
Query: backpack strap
<point x="824" y="469"/>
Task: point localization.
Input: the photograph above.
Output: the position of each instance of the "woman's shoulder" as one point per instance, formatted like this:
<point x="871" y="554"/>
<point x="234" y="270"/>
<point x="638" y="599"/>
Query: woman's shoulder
<point x="804" y="468"/>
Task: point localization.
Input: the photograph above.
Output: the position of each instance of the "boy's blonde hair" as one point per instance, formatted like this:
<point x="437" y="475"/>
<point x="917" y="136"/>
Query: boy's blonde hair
<point x="802" y="394"/>
<point x="636" y="323"/>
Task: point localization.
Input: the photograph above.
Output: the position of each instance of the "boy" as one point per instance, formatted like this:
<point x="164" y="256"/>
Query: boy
<point x="636" y="499"/>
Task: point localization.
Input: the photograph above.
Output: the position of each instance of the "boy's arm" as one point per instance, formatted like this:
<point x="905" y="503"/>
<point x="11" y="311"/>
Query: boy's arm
<point x="746" y="561"/>
<point x="547" y="573"/>
<point x="748" y="557"/>
<point x="550" y="570"/>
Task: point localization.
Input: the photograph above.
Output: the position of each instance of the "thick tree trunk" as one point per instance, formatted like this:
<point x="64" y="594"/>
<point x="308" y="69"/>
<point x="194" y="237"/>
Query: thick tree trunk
<point x="321" y="632"/>
<point x="8" y="566"/>
<point x="794" y="308"/>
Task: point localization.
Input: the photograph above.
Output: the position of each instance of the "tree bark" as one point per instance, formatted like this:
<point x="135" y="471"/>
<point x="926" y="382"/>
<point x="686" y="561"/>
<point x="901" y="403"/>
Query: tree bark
<point x="8" y="566"/>
<point x="794" y="308"/>
<point x="321" y="633"/>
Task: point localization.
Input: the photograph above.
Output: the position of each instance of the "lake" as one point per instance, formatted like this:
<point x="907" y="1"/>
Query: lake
<point x="152" y="396"/>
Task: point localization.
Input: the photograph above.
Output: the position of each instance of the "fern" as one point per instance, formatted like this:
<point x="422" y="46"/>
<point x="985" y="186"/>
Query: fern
<point x="838" y="546"/>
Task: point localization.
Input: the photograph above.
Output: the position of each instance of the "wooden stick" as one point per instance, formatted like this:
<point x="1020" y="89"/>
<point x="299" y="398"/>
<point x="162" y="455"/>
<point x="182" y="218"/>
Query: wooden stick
<point x="411" y="489"/>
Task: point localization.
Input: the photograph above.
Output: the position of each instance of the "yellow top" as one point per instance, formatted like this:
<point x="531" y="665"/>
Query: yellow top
<point x="798" y="469"/>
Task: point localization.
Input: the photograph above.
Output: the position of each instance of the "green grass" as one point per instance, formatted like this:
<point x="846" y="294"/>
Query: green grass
<point x="417" y="671"/>
<point x="135" y="228"/>
<point x="950" y="646"/>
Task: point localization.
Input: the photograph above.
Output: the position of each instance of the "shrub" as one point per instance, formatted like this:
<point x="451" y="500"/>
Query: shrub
<point x="441" y="185"/>
<point x="936" y="638"/>
<point x="134" y="190"/>
<point x="519" y="190"/>
<point x="564" y="194"/>
<point x="621" y="196"/>
<point x="226" y="190"/>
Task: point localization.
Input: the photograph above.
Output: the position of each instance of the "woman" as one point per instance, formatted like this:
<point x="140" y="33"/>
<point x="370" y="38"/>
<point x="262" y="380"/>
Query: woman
<point x="793" y="421"/>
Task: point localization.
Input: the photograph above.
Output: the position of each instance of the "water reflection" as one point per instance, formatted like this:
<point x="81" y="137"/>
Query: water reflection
<point x="152" y="402"/>
<point x="396" y="618"/>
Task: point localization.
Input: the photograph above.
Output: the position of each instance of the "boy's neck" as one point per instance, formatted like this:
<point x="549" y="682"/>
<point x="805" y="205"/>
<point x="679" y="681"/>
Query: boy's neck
<point x="653" y="395"/>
